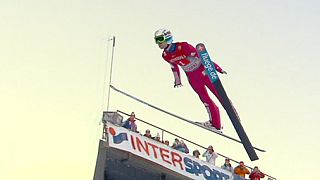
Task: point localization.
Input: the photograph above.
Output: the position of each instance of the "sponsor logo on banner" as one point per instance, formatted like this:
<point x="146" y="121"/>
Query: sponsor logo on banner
<point x="163" y="155"/>
<point x="117" y="139"/>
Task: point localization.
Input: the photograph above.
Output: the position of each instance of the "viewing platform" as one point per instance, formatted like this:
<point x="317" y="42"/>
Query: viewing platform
<point x="124" y="154"/>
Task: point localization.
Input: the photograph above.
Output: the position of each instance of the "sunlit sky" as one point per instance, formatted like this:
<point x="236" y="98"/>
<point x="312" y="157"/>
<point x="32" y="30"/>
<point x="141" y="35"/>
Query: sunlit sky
<point x="55" y="66"/>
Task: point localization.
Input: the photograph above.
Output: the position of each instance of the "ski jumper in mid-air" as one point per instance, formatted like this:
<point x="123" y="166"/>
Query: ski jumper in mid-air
<point x="187" y="57"/>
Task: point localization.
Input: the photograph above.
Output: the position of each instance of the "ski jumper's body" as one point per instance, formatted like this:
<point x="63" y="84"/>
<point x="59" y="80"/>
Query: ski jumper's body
<point x="186" y="56"/>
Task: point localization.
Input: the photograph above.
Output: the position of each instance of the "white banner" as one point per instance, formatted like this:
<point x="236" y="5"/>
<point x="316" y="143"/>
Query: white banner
<point x="163" y="155"/>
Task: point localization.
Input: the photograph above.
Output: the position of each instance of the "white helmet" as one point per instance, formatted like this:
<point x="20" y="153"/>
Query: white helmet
<point x="163" y="35"/>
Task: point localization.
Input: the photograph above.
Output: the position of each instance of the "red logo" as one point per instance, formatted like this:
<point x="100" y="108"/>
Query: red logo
<point x="112" y="131"/>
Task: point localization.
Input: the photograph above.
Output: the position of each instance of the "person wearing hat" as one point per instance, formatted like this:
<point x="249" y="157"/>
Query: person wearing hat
<point x="256" y="174"/>
<point x="241" y="170"/>
<point x="157" y="137"/>
<point x="130" y="123"/>
<point x="227" y="165"/>
<point x="210" y="155"/>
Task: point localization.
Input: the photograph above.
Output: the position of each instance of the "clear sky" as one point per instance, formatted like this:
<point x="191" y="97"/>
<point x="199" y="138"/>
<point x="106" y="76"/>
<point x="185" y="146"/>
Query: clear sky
<point x="55" y="61"/>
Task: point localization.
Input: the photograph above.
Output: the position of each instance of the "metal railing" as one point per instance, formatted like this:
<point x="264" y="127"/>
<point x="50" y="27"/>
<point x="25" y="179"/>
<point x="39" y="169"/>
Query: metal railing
<point x="176" y="135"/>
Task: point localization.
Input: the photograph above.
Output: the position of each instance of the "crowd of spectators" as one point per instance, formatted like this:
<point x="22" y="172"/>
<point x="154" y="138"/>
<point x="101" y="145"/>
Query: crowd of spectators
<point x="210" y="155"/>
<point x="241" y="170"/>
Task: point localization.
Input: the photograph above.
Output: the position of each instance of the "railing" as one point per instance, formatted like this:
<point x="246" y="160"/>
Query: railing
<point x="165" y="131"/>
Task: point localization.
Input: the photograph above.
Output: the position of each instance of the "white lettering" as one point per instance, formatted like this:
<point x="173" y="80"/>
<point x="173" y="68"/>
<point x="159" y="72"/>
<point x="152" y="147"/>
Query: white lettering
<point x="208" y="65"/>
<point x="177" y="58"/>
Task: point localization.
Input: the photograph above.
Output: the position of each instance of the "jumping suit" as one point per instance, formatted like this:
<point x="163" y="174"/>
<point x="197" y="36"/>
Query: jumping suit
<point x="187" y="57"/>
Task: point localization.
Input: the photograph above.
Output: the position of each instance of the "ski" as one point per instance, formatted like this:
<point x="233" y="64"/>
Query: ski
<point x="225" y="101"/>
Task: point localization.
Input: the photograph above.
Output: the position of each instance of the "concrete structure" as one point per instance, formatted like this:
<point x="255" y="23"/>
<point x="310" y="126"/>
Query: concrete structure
<point x="124" y="154"/>
<point x="114" y="164"/>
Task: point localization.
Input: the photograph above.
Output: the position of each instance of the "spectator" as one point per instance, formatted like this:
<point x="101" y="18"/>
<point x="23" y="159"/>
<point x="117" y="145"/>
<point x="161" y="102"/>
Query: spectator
<point x="130" y="123"/>
<point x="166" y="142"/>
<point x="157" y="137"/>
<point x="227" y="165"/>
<point x="147" y="134"/>
<point x="256" y="174"/>
<point x="182" y="147"/>
<point x="210" y="155"/>
<point x="175" y="143"/>
<point x="196" y="153"/>
<point x="241" y="170"/>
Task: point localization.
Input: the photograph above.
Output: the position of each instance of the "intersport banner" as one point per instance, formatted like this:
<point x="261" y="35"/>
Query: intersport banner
<point x="163" y="155"/>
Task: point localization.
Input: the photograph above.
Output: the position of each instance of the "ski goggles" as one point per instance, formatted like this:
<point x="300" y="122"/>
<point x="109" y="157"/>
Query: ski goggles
<point x="160" y="39"/>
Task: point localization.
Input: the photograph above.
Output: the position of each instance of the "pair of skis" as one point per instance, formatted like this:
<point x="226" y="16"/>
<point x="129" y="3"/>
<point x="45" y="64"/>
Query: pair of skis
<point x="225" y="101"/>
